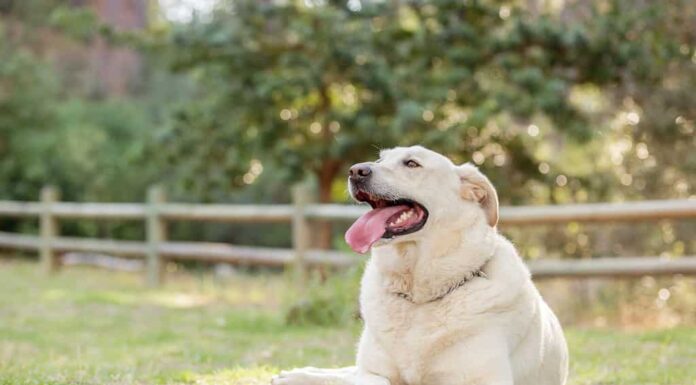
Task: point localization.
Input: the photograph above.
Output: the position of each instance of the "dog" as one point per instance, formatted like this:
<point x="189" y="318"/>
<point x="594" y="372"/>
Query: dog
<point x="445" y="298"/>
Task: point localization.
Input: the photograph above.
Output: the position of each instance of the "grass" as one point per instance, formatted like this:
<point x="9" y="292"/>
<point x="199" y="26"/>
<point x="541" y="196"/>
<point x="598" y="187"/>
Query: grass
<point x="86" y="326"/>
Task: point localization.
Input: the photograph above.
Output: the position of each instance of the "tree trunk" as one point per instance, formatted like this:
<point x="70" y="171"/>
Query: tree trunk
<point x="325" y="177"/>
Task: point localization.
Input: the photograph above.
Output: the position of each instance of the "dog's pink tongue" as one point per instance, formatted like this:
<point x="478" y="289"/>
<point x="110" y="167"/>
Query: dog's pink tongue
<point x="370" y="227"/>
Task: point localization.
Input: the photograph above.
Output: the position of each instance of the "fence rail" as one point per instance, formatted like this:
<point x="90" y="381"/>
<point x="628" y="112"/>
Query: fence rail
<point x="520" y="215"/>
<point x="156" y="213"/>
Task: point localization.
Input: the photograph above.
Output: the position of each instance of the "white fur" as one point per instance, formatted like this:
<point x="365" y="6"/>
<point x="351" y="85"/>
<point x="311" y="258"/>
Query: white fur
<point x="494" y="329"/>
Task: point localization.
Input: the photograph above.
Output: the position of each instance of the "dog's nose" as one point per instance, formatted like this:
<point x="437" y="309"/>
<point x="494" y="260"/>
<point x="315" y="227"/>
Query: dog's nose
<point x="360" y="171"/>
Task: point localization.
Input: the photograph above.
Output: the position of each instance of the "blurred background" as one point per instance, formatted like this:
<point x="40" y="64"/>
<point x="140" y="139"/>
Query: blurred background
<point x="234" y="102"/>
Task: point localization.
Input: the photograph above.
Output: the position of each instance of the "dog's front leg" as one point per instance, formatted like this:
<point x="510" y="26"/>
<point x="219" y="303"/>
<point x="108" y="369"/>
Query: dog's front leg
<point x="315" y="376"/>
<point x="372" y="362"/>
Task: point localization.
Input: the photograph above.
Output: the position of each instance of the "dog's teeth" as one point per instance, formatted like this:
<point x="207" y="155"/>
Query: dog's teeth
<point x="403" y="217"/>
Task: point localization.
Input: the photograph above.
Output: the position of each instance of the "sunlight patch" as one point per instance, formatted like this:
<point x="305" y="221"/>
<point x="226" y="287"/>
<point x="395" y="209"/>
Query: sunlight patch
<point x="238" y="376"/>
<point x="181" y="300"/>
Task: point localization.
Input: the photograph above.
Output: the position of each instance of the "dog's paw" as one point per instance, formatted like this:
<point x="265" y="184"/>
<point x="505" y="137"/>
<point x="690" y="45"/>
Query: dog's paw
<point x="304" y="376"/>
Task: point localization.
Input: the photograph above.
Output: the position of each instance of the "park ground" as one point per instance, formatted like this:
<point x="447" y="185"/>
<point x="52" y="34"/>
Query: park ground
<point x="87" y="326"/>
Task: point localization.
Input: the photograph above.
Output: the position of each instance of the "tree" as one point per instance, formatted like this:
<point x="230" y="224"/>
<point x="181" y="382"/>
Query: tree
<point x="316" y="87"/>
<point x="27" y="106"/>
<point x="50" y="133"/>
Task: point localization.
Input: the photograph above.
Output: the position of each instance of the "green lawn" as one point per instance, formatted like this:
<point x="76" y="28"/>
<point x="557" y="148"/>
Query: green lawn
<point x="86" y="326"/>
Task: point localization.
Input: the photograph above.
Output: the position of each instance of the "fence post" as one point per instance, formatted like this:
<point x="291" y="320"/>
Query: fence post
<point x="48" y="229"/>
<point x="156" y="233"/>
<point x="300" y="231"/>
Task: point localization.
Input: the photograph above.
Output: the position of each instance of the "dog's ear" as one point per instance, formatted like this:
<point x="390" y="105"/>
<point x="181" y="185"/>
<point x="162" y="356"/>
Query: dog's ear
<point x="476" y="187"/>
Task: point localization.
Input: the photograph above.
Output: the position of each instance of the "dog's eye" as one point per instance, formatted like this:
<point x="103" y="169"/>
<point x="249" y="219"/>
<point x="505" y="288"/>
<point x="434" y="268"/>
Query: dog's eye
<point x="411" y="163"/>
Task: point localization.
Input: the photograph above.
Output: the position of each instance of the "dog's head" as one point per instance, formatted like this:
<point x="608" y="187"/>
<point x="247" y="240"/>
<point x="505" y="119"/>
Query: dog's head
<point x="414" y="191"/>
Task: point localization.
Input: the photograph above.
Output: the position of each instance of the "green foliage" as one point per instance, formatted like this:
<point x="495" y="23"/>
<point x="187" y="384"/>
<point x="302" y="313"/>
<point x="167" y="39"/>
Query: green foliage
<point x="50" y="133"/>
<point x="332" y="302"/>
<point x="93" y="150"/>
<point x="77" y="23"/>
<point x="81" y="141"/>
<point x="316" y="86"/>
<point x="27" y="110"/>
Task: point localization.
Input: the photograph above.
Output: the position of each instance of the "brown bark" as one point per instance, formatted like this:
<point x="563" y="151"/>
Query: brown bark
<point x="325" y="176"/>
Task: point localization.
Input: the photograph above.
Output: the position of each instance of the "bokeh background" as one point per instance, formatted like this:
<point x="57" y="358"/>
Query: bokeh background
<point x="226" y="101"/>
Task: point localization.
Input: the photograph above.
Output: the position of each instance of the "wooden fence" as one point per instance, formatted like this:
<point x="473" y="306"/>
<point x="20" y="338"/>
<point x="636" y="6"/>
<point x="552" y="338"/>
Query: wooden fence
<point x="157" y="212"/>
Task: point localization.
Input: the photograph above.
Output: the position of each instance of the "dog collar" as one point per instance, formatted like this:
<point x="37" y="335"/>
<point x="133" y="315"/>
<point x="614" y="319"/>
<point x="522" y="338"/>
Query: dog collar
<point x="478" y="273"/>
<point x="468" y="277"/>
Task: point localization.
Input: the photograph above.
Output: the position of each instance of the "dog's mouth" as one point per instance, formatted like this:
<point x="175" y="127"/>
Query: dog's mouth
<point x="388" y="219"/>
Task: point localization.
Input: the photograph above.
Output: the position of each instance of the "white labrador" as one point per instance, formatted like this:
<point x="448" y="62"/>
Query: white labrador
<point x="445" y="299"/>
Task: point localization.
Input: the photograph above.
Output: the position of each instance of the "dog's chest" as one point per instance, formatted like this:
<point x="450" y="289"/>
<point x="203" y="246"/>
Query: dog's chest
<point x="412" y="335"/>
